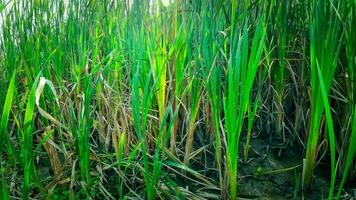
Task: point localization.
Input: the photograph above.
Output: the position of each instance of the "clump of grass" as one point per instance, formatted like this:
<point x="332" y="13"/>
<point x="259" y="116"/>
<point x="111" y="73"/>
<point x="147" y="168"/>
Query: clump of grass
<point x="212" y="42"/>
<point x="156" y="49"/>
<point x="195" y="88"/>
<point x="324" y="51"/>
<point x="130" y="79"/>
<point x="351" y="92"/>
<point x="241" y="74"/>
<point x="141" y="105"/>
<point x="179" y="53"/>
<point x="280" y="37"/>
<point x="80" y="124"/>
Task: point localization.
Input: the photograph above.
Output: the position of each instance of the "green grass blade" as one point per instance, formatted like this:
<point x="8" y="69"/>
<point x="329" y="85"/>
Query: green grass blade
<point x="28" y="141"/>
<point x="3" y="130"/>
<point x="330" y="126"/>
<point x="4" y="193"/>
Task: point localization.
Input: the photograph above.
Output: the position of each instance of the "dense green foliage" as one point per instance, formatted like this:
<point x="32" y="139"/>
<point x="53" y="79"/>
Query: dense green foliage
<point x="154" y="100"/>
